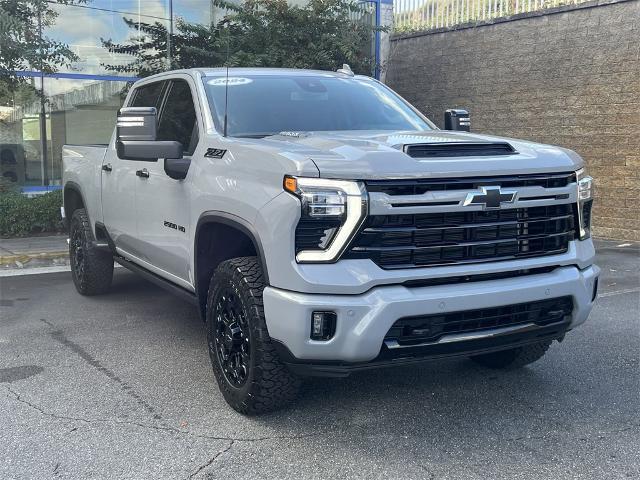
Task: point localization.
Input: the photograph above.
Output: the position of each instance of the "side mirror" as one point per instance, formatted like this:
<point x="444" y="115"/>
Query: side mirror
<point x="177" y="168"/>
<point x="457" y="119"/>
<point x="136" y="131"/>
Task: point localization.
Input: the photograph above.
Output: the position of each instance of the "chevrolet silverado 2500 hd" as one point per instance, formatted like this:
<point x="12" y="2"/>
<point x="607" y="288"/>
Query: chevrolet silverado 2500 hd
<point x="322" y="225"/>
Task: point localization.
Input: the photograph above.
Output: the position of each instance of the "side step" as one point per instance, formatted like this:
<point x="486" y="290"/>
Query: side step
<point x="96" y="244"/>
<point x="158" y="280"/>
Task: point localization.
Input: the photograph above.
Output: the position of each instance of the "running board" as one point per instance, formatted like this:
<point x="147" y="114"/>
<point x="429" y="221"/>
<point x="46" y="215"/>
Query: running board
<point x="158" y="280"/>
<point x="97" y="245"/>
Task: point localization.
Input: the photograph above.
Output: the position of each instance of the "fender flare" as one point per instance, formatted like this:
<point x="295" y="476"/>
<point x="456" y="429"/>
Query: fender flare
<point x="215" y="216"/>
<point x="71" y="185"/>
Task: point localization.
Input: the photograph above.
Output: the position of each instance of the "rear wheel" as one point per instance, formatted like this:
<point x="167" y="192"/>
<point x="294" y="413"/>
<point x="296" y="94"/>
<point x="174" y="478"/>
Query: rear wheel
<point x="249" y="372"/>
<point x="515" y="357"/>
<point x="91" y="268"/>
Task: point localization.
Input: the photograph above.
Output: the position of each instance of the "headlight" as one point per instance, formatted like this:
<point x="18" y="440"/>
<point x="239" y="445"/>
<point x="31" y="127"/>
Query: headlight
<point x="585" y="202"/>
<point x="332" y="211"/>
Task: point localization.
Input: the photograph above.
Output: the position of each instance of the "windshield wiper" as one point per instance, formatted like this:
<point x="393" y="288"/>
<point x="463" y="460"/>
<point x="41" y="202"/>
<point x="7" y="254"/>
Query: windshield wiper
<point x="256" y="135"/>
<point x="286" y="133"/>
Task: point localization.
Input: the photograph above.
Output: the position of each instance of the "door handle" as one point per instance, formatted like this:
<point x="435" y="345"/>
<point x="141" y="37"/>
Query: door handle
<point x="107" y="167"/>
<point x="144" y="173"/>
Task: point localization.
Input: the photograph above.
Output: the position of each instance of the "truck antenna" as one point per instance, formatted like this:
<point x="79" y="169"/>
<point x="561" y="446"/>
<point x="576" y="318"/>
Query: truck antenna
<point x="226" y="82"/>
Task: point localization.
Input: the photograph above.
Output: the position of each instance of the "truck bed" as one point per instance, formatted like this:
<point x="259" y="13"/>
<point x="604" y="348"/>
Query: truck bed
<point x="81" y="168"/>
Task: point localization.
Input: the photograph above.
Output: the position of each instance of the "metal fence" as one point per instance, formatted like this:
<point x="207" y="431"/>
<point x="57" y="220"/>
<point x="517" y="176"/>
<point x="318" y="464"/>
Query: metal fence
<point x="368" y="13"/>
<point x="412" y="15"/>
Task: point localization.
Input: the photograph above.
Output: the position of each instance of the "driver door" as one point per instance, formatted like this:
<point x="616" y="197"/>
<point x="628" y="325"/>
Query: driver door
<point x="119" y="180"/>
<point x="162" y="203"/>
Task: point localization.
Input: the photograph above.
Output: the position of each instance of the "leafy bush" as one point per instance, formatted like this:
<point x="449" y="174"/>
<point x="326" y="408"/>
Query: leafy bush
<point x="21" y="216"/>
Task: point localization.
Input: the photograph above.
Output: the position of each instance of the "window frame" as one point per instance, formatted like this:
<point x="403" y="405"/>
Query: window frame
<point x="161" y="96"/>
<point x="167" y="90"/>
<point x="162" y="100"/>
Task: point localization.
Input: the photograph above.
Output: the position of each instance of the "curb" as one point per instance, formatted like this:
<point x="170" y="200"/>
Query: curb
<point x="11" y="260"/>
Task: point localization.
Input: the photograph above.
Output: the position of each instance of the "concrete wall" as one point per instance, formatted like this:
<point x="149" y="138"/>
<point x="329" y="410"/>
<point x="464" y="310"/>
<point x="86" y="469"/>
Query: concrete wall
<point x="570" y="78"/>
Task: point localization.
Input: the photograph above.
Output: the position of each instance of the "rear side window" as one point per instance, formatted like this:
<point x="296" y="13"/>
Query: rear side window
<point x="178" y="117"/>
<point x="148" y="95"/>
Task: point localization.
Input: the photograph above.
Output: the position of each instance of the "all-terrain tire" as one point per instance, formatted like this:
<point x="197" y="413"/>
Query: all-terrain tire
<point x="91" y="268"/>
<point x="515" y="357"/>
<point x="234" y="306"/>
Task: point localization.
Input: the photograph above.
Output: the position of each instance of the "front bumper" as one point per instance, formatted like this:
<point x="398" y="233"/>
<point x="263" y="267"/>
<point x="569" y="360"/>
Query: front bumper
<point x="364" y="320"/>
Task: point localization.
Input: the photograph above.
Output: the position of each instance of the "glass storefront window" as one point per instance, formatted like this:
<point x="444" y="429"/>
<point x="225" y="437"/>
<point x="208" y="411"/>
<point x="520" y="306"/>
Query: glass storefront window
<point x="20" y="145"/>
<point x="76" y="111"/>
<point x="80" y="112"/>
<point x="83" y="27"/>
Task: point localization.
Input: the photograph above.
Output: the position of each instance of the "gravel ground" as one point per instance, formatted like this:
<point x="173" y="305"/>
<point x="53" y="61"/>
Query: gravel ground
<point x="120" y="386"/>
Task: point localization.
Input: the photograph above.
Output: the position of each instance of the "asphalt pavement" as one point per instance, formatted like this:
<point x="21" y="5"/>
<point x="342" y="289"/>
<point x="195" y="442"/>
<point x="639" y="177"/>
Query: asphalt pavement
<point x="120" y="386"/>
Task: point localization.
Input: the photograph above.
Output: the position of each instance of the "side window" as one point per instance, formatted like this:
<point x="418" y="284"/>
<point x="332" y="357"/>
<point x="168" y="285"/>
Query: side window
<point x="178" y="117"/>
<point x="148" y="95"/>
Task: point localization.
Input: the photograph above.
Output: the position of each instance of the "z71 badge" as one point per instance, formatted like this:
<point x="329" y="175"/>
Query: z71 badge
<point x="215" y="153"/>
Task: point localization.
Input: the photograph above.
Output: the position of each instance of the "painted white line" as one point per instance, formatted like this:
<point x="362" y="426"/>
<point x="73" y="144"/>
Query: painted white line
<point x="619" y="292"/>
<point x="18" y="272"/>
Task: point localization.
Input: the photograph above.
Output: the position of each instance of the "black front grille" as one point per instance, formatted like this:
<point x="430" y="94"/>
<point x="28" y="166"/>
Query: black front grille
<point x="401" y="241"/>
<point x="430" y="150"/>
<point x="429" y="328"/>
<point x="421" y="186"/>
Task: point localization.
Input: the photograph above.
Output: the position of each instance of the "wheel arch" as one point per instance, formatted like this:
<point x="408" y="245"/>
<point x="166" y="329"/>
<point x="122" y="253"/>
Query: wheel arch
<point x="220" y="236"/>
<point x="72" y="199"/>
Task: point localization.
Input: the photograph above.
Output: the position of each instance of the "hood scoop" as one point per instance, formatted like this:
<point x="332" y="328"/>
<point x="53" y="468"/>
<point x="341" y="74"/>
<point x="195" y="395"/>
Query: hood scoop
<point x="459" y="149"/>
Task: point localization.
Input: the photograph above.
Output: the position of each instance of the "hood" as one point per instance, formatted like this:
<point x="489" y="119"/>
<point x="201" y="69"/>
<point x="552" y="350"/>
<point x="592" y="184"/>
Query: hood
<point x="367" y="155"/>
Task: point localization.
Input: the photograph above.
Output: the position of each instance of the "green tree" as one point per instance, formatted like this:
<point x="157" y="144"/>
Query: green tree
<point x="23" y="47"/>
<point x="322" y="34"/>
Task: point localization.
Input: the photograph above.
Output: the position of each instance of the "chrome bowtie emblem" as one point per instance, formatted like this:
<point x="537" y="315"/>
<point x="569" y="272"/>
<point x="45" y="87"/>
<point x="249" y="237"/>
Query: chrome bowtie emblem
<point x="490" y="197"/>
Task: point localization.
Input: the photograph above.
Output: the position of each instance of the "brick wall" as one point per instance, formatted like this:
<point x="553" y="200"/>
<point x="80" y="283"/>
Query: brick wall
<point x="570" y="78"/>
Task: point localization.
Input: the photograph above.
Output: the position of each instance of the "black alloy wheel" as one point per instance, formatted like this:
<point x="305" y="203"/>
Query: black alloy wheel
<point x="232" y="342"/>
<point x="77" y="257"/>
<point x="91" y="267"/>
<point x="251" y="376"/>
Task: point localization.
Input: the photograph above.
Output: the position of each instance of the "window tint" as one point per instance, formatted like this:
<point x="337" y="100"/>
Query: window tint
<point x="260" y="105"/>
<point x="148" y="95"/>
<point x="178" y="117"/>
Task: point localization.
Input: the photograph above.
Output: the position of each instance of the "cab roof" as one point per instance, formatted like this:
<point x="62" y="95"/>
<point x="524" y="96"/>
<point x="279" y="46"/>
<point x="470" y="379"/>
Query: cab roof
<point x="221" y="71"/>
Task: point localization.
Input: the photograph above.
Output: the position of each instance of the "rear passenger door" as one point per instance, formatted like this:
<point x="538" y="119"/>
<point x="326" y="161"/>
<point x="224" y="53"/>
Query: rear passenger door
<point x="162" y="203"/>
<point x="119" y="181"/>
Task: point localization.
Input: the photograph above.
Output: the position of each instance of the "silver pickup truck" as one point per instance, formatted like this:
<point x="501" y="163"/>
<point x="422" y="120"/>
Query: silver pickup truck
<point x="322" y="225"/>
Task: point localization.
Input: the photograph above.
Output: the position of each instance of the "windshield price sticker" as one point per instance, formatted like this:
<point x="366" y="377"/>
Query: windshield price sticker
<point x="231" y="81"/>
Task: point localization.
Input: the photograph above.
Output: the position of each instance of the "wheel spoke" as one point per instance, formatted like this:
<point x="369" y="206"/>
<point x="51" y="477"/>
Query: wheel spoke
<point x="231" y="338"/>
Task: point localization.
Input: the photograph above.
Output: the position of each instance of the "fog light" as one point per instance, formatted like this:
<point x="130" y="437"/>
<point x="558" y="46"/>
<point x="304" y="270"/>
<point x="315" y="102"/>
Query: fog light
<point x="323" y="325"/>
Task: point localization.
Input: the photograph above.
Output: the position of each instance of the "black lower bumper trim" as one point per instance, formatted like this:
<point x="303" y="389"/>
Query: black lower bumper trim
<point x="388" y="358"/>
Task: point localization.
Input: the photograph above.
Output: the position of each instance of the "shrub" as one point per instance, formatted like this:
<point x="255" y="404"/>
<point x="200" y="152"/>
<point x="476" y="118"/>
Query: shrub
<point x="21" y="216"/>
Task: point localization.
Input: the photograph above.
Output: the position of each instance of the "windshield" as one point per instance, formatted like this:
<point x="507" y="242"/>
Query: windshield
<point x="261" y="105"/>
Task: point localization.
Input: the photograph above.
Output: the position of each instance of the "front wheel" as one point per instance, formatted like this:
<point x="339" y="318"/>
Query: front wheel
<point x="91" y="268"/>
<point x="249" y="372"/>
<point x="515" y="357"/>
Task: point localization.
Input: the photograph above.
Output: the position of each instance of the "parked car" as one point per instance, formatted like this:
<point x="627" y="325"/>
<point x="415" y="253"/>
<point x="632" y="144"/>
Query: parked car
<point x="323" y="226"/>
<point x="12" y="162"/>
